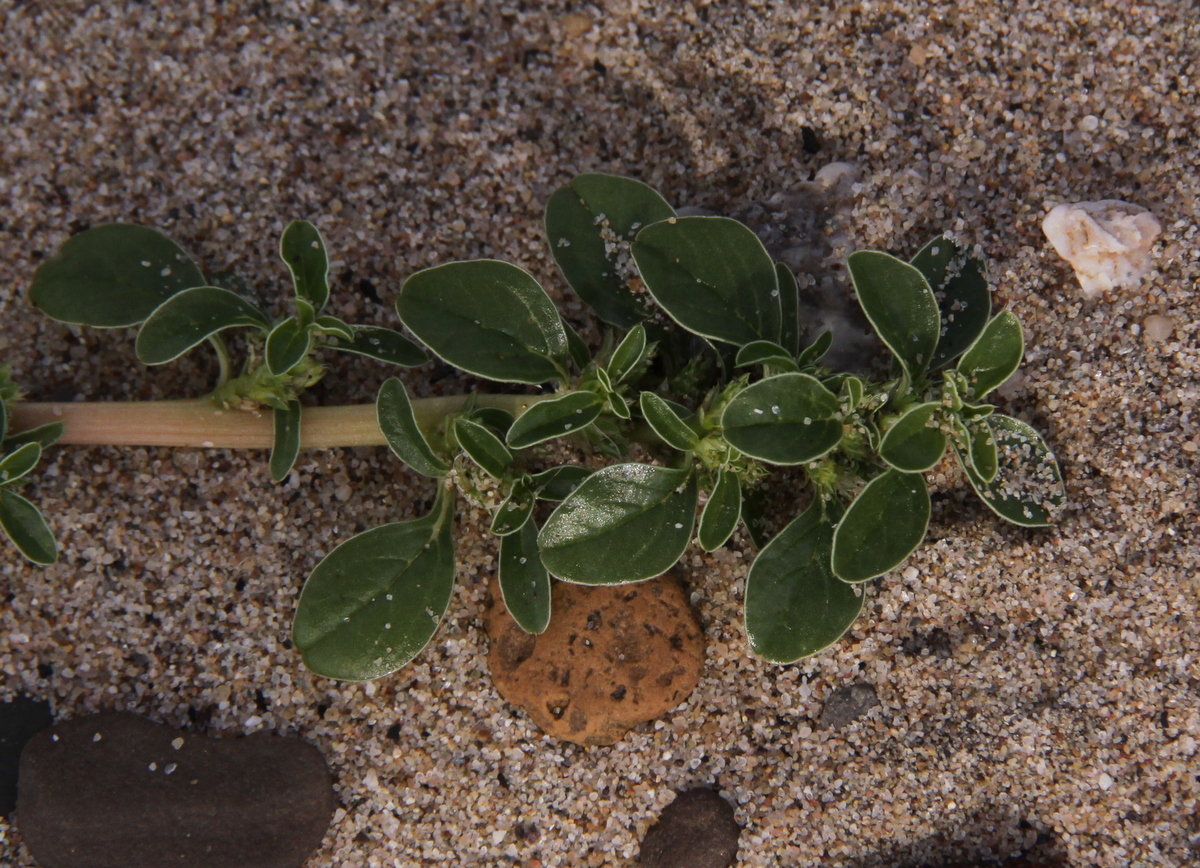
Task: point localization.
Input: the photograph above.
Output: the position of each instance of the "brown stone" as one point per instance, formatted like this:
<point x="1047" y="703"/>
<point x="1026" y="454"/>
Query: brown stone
<point x="613" y="657"/>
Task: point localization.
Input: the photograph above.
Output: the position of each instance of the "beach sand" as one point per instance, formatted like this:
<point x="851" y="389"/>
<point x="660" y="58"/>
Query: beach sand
<point x="1034" y="684"/>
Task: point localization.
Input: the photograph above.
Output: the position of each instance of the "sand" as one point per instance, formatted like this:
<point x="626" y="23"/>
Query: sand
<point x="1034" y="685"/>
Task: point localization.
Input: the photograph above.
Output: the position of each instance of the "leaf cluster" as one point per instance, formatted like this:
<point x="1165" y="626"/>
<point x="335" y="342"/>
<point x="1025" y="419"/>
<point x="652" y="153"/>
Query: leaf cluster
<point x="20" y="453"/>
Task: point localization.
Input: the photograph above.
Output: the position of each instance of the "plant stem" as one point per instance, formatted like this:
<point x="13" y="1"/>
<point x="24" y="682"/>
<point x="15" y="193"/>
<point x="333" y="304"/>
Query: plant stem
<point x="200" y="423"/>
<point x="223" y="358"/>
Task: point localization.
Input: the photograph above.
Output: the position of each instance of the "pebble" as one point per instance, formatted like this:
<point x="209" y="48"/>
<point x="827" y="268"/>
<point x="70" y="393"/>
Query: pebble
<point x="1107" y="242"/>
<point x="1158" y="329"/>
<point x="613" y="657"/>
<point x="847" y="704"/>
<point x="20" y="720"/>
<point x="132" y="797"/>
<point x="697" y="830"/>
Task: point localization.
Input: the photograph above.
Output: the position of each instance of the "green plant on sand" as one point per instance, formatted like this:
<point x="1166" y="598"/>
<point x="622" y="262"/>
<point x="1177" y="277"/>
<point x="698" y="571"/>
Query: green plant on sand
<point x="702" y="375"/>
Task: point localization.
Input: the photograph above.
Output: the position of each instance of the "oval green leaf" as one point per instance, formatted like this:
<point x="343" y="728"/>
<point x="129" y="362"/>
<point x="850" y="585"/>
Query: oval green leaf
<point x="577" y="348"/>
<point x="722" y="513"/>
<point x="24" y="525"/>
<point x="789" y="310"/>
<point x="287" y="345"/>
<point x="627" y="355"/>
<point x="981" y="449"/>
<point x="795" y="606"/>
<point x="483" y="447"/>
<point x="625" y="523"/>
<point x="382" y="344"/>
<point x="490" y="318"/>
<point x="589" y="225"/>
<point x="900" y="305"/>
<point x="556" y="417"/>
<point x="112" y="275"/>
<point x="786" y="419"/>
<point x="667" y="424"/>
<point x="376" y="600"/>
<point x="191" y="317"/>
<point x="713" y="276"/>
<point x="19" y="462"/>
<point x="394" y="413"/>
<point x="994" y="357"/>
<point x="287" y="440"/>
<point x="43" y="435"/>
<point x="303" y="251"/>
<point x="815" y="351"/>
<point x="960" y="286"/>
<point x="765" y="353"/>
<point x="331" y="325"/>
<point x="557" y="483"/>
<point x="524" y="582"/>
<point x="882" y="527"/>
<point x="1028" y="489"/>
<point x="516" y="509"/>
<point x="915" y="442"/>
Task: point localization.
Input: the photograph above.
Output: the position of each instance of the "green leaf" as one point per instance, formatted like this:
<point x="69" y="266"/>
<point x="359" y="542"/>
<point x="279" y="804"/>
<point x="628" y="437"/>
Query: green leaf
<point x="981" y="449"/>
<point x="495" y="418"/>
<point x="618" y="406"/>
<point x="851" y="392"/>
<point x="191" y="317"/>
<point x="815" y="351"/>
<point x="961" y="288"/>
<point x="303" y="251"/>
<point x="994" y="356"/>
<point x="789" y="310"/>
<point x="112" y="275"/>
<point x="394" y="411"/>
<point x="19" y="462"/>
<point x="483" y="447"/>
<point x="555" y="417"/>
<point x="722" y="513"/>
<point x="882" y="527"/>
<point x="577" y="348"/>
<point x="287" y="440"/>
<point x="490" y="318"/>
<point x="915" y="442"/>
<point x="713" y="276"/>
<point x="900" y="306"/>
<point x="43" y="435"/>
<point x="557" y="483"/>
<point x="382" y="344"/>
<point x="516" y="509"/>
<point x="795" y="606"/>
<point x="24" y="525"/>
<point x="765" y="353"/>
<point x="376" y="600"/>
<point x="625" y="523"/>
<point x="785" y="419"/>
<point x="627" y="355"/>
<point x="1028" y="489"/>
<point x="589" y="224"/>
<point x="524" y="582"/>
<point x="331" y="325"/>
<point x="287" y="345"/>
<point x="667" y="424"/>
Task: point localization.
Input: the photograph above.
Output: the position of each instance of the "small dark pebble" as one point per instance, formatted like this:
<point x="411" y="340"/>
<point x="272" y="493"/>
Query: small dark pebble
<point x="20" y="720"/>
<point x="847" y="704"/>
<point x="697" y="830"/>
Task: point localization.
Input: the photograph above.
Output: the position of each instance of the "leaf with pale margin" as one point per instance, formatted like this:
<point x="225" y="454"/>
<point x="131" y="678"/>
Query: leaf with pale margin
<point x="587" y="223"/>
<point x="1028" y="489"/>
<point x="383" y="345"/>
<point x="627" y="355"/>
<point x="785" y="419"/>
<point x="722" y="513"/>
<point x="980" y="448"/>
<point x="882" y="527"/>
<point x="191" y="317"/>
<point x="287" y="440"/>
<point x="112" y="275"/>
<point x="376" y="600"/>
<point x="557" y="483"/>
<point x="43" y="435"/>
<point x="625" y="523"/>
<point x="483" y="447"/>
<point x="915" y="442"/>
<point x="900" y="305"/>
<point x="394" y="412"/>
<point x="303" y="251"/>
<point x="287" y="345"/>
<point x="815" y="351"/>
<point x="524" y="582"/>
<point x="577" y="348"/>
<point x="24" y="525"/>
<point x="490" y="318"/>
<point x="712" y="276"/>
<point x="789" y="310"/>
<point x="994" y="356"/>
<point x="964" y="300"/>
<point x="765" y="353"/>
<point x="19" y="462"/>
<point x="555" y="417"/>
<point x="667" y="424"/>
<point x="497" y="419"/>
<point x="516" y="509"/>
<point x="795" y="606"/>
<point x="331" y="325"/>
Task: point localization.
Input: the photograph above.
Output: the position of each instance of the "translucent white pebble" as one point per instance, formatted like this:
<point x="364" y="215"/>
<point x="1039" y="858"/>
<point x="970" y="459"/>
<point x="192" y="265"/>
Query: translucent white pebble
<point x="1158" y="328"/>
<point x="1107" y="242"/>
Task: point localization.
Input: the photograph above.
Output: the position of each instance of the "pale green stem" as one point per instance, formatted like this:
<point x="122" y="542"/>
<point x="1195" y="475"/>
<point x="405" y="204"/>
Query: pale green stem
<point x="224" y="359"/>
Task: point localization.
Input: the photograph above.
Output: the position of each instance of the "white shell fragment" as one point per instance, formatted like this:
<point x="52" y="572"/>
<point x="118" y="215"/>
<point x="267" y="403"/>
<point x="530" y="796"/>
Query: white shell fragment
<point x="1107" y="242"/>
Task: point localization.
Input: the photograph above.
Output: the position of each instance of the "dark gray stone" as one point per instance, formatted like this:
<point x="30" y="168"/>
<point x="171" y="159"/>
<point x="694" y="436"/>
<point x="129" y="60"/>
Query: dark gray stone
<point x="115" y="790"/>
<point x="20" y="720"/>
<point x="697" y="830"/>
<point x="847" y="704"/>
